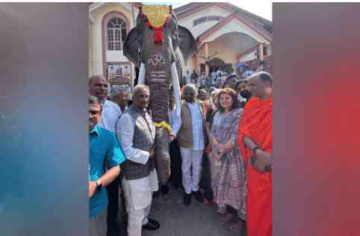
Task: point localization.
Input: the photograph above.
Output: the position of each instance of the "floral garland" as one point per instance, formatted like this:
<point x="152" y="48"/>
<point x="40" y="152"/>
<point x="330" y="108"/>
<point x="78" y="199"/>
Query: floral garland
<point x="157" y="14"/>
<point x="158" y="31"/>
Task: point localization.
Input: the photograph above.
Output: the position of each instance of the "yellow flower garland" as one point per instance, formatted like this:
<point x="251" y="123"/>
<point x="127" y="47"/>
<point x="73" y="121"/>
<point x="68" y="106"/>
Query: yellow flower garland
<point x="163" y="124"/>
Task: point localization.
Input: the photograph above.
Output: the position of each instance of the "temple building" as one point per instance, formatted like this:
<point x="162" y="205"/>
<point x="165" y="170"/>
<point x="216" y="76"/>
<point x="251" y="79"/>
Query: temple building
<point x="226" y="35"/>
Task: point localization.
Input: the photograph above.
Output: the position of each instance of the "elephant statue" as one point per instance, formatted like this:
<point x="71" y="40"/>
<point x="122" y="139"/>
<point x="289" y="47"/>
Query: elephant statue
<point x="152" y="46"/>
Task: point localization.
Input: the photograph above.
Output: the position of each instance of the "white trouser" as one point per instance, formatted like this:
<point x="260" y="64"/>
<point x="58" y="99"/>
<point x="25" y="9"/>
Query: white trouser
<point x="191" y="178"/>
<point x="138" y="197"/>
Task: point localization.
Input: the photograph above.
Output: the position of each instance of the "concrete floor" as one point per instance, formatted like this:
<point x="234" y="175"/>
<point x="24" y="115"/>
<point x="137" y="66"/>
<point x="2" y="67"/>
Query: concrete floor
<point x="179" y="220"/>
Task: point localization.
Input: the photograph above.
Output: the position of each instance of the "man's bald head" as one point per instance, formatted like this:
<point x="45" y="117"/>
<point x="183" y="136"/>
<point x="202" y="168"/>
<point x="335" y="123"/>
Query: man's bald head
<point x="263" y="76"/>
<point x="260" y="84"/>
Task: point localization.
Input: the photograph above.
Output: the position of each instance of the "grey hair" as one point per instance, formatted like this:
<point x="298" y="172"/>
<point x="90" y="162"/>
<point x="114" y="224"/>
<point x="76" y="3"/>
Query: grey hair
<point x="138" y="88"/>
<point x="191" y="86"/>
<point x="94" y="77"/>
<point x="94" y="100"/>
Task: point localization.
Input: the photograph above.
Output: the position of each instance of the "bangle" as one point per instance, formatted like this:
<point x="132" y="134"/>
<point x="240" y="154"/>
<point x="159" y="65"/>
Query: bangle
<point x="255" y="149"/>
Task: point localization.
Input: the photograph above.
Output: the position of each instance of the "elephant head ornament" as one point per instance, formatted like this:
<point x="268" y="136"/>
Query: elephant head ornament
<point x="152" y="46"/>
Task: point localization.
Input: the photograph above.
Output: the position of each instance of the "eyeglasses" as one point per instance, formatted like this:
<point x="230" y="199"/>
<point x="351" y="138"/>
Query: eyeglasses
<point x="94" y="113"/>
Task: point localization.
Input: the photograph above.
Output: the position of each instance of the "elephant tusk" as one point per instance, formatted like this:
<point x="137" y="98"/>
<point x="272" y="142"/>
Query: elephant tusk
<point x="176" y="87"/>
<point x="141" y="79"/>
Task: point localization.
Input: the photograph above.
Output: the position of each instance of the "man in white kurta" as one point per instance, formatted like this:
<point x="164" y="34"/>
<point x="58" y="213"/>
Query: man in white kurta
<point x="136" y="134"/>
<point x="190" y="136"/>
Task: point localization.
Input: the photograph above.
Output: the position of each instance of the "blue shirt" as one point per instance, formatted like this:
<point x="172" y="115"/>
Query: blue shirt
<point x="105" y="152"/>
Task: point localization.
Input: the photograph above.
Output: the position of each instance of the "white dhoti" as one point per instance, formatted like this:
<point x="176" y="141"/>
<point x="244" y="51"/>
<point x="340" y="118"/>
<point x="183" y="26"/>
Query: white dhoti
<point x="138" y="198"/>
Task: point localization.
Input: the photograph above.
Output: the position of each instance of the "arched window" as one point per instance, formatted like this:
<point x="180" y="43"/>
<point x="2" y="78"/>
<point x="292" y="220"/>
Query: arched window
<point x="116" y="32"/>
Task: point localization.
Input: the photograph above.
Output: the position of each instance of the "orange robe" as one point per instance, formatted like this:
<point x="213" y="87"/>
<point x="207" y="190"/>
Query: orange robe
<point x="256" y="123"/>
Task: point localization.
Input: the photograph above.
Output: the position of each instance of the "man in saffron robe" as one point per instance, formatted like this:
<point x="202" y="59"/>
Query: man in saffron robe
<point x="255" y="140"/>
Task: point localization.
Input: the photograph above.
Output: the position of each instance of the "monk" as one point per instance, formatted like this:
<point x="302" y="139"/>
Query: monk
<point x="255" y="141"/>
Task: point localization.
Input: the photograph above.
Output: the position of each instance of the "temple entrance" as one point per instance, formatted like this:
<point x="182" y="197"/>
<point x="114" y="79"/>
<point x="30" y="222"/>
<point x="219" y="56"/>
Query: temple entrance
<point x="217" y="64"/>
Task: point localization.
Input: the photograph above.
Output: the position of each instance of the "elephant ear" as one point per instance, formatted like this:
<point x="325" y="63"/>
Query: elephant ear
<point x="187" y="43"/>
<point x="131" y="47"/>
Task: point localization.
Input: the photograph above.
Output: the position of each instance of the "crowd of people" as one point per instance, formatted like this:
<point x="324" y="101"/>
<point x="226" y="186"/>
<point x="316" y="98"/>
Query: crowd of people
<point x="220" y="148"/>
<point x="216" y="78"/>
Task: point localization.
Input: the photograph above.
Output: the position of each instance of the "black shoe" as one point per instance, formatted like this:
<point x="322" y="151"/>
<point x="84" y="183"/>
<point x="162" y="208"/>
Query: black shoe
<point x="198" y="196"/>
<point x="151" y="225"/>
<point x="187" y="199"/>
<point x="208" y="195"/>
<point x="164" y="189"/>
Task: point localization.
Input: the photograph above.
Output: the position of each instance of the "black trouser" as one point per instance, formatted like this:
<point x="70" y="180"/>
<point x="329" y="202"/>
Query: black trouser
<point x="116" y="208"/>
<point x="175" y="158"/>
<point x="205" y="182"/>
<point x="113" y="196"/>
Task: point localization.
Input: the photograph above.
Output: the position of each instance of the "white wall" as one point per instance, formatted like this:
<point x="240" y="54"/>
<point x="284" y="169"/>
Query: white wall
<point x="201" y="28"/>
<point x="96" y="47"/>
<point x="237" y="26"/>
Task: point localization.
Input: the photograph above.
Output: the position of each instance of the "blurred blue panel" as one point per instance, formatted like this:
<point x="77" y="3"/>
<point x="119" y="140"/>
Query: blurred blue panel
<point x="43" y="119"/>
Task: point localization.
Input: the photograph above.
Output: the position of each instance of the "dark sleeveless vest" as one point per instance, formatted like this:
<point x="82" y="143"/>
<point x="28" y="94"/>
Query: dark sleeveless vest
<point x="144" y="139"/>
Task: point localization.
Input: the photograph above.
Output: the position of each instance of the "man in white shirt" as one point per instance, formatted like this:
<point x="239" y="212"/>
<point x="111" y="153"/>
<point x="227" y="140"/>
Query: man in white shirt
<point x="98" y="87"/>
<point x="191" y="138"/>
<point x="136" y="134"/>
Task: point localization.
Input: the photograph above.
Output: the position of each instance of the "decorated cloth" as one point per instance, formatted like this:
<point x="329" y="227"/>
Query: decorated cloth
<point x="228" y="178"/>
<point x="157" y="17"/>
<point x="256" y="123"/>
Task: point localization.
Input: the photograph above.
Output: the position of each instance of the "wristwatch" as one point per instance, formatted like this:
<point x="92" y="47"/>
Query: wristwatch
<point x="98" y="185"/>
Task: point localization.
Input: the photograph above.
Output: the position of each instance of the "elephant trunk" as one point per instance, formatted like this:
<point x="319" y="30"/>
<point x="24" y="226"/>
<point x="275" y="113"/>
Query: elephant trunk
<point x="158" y="77"/>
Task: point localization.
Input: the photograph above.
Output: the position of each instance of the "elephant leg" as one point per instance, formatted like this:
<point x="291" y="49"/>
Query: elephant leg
<point x="162" y="155"/>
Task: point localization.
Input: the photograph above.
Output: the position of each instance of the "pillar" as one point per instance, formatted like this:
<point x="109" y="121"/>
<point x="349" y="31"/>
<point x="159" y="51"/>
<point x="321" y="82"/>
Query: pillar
<point x="194" y="62"/>
<point x="261" y="51"/>
<point x="206" y="55"/>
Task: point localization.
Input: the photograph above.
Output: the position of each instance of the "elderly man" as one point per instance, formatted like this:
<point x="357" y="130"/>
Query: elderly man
<point x="255" y="140"/>
<point x="191" y="138"/>
<point x="120" y="96"/>
<point x="98" y="87"/>
<point x="136" y="133"/>
<point x="104" y="152"/>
